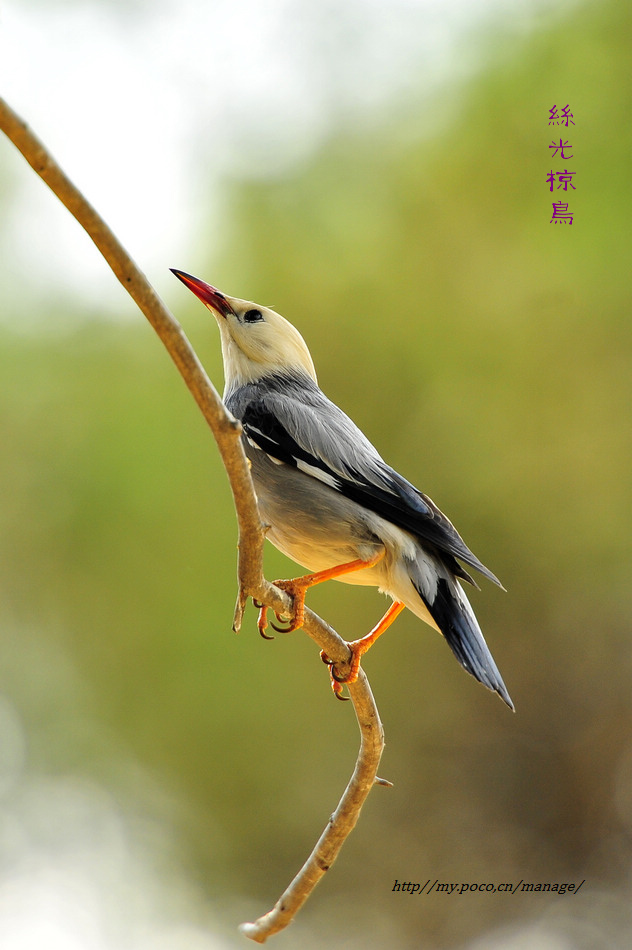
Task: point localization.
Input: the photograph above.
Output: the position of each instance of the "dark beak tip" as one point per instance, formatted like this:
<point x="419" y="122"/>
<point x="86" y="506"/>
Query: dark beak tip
<point x="181" y="275"/>
<point x="209" y="296"/>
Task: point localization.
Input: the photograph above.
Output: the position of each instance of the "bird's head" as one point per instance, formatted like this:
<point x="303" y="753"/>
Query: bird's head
<point x="256" y="341"/>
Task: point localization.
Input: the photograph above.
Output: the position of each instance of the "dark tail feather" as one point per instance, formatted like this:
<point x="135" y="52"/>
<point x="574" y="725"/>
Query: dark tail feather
<point x="455" y="618"/>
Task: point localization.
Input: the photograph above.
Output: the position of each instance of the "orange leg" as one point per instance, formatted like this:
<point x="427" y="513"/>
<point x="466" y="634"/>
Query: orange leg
<point x="298" y="587"/>
<point x="359" y="648"/>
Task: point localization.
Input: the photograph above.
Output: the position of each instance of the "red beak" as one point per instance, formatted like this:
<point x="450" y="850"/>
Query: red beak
<point x="207" y="294"/>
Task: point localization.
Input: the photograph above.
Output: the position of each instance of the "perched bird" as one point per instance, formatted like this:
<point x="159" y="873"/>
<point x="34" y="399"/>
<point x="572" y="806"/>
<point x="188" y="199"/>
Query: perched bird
<point x="332" y="503"/>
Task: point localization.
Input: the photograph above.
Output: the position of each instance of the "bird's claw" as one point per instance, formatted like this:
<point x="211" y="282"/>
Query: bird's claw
<point x="287" y="629"/>
<point x="337" y="682"/>
<point x="262" y="620"/>
<point x="297" y="592"/>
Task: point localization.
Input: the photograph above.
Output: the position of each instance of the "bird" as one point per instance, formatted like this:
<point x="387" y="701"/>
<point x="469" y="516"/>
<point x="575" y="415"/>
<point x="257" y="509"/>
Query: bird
<point x="329" y="500"/>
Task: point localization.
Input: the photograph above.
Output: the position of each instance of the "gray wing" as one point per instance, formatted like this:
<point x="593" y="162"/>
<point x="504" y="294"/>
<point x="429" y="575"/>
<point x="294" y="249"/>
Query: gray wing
<point x="292" y="420"/>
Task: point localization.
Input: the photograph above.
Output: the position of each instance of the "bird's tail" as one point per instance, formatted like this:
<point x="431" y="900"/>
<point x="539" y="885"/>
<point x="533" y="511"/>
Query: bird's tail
<point x="452" y="613"/>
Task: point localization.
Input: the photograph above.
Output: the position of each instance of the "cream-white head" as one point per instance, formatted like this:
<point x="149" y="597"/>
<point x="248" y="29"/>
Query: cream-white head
<point x="256" y="341"/>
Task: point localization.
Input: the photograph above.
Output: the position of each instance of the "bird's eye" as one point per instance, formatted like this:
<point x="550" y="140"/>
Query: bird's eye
<point x="253" y="316"/>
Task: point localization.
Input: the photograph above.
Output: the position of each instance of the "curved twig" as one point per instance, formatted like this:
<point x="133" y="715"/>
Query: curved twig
<point x="227" y="431"/>
<point x="340" y="823"/>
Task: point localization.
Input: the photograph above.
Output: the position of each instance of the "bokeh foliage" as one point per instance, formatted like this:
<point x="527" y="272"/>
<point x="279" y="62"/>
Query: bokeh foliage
<point x="487" y="353"/>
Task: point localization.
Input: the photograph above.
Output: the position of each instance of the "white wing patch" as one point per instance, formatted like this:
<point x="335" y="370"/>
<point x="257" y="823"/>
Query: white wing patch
<point x="263" y="435"/>
<point x="254" y="445"/>
<point x="318" y="473"/>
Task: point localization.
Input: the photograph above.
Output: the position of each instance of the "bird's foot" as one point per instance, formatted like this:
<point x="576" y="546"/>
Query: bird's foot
<point x="337" y="682"/>
<point x="296" y="588"/>
<point x="358" y="648"/>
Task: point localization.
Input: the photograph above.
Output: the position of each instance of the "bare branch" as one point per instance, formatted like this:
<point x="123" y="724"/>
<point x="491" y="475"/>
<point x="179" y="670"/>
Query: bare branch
<point x="227" y="432"/>
<point x="339" y="825"/>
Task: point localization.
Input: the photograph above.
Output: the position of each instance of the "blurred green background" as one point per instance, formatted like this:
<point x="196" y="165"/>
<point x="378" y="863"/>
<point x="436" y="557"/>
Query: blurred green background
<point x="162" y="778"/>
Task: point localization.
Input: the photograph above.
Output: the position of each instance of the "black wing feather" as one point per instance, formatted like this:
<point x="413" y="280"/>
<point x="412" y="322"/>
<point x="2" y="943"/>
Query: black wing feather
<point x="387" y="494"/>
